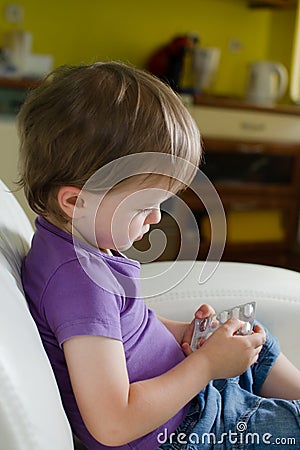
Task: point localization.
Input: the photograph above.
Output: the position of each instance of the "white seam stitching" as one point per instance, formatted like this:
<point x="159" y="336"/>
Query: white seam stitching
<point x="223" y="293"/>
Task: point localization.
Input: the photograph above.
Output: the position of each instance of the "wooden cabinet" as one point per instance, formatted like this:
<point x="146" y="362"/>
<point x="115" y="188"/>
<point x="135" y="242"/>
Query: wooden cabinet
<point x="259" y="186"/>
<point x="252" y="157"/>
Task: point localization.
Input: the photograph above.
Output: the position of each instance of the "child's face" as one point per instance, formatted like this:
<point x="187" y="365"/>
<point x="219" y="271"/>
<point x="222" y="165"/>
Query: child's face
<point x="125" y="215"/>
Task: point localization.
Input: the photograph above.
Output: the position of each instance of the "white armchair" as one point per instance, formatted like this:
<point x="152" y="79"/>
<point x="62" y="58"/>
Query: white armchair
<point x="31" y="413"/>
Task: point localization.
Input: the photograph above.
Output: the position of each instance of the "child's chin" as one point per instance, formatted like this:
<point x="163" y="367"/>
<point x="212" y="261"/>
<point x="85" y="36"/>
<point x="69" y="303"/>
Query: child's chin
<point x="127" y="245"/>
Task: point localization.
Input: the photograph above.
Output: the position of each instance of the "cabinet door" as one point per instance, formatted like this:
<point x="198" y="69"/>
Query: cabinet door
<point x="252" y="168"/>
<point x="258" y="184"/>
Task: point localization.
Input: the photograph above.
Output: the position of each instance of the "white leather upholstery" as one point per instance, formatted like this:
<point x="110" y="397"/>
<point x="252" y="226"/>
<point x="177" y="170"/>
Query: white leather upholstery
<point x="31" y="414"/>
<point x="276" y="291"/>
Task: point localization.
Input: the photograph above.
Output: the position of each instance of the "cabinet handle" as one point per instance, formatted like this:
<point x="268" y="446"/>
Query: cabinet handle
<point x="250" y="126"/>
<point x="254" y="148"/>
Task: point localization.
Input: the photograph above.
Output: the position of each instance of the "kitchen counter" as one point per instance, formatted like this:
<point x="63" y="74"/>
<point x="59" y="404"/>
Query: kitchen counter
<point x="237" y="103"/>
<point x="16" y="83"/>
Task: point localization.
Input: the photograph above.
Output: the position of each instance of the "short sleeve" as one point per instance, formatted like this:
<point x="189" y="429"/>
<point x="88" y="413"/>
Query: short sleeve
<point x="74" y="305"/>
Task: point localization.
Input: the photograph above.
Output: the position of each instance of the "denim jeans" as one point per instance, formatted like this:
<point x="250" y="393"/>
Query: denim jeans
<point x="229" y="414"/>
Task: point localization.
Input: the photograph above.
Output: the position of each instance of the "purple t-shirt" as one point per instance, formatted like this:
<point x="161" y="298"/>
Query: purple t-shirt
<point x="77" y="290"/>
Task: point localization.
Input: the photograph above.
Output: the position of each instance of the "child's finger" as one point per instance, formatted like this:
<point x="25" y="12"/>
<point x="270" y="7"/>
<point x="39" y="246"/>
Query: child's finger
<point x="186" y="349"/>
<point x="259" y="336"/>
<point x="233" y="325"/>
<point x="258" y="329"/>
<point x="204" y="311"/>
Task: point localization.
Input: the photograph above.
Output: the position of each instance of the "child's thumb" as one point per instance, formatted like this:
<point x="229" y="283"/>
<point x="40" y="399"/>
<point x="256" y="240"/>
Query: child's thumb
<point x="186" y="349"/>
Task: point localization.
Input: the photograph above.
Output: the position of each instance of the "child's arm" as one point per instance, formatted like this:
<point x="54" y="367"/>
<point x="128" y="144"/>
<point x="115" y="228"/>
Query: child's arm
<point x="116" y="412"/>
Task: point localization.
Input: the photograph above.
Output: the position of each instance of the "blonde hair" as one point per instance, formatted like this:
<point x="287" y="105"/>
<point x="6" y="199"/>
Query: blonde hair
<point x="84" y="117"/>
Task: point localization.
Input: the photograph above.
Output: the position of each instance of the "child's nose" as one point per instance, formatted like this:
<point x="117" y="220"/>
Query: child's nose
<point x="154" y="217"/>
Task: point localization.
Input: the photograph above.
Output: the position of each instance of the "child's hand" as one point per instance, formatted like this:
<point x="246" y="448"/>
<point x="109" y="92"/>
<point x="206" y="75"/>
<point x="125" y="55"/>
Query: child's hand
<point x="228" y="354"/>
<point x="201" y="313"/>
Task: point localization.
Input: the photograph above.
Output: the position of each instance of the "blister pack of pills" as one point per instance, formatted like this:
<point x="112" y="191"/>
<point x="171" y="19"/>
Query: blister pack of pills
<point x="205" y="327"/>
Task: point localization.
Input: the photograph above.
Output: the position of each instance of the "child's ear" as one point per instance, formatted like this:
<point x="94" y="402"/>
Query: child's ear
<point x="68" y="198"/>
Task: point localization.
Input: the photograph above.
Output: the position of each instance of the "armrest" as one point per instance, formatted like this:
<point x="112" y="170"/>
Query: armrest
<point x="172" y="289"/>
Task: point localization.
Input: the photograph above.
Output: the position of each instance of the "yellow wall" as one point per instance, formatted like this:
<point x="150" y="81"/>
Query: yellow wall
<point x="76" y="32"/>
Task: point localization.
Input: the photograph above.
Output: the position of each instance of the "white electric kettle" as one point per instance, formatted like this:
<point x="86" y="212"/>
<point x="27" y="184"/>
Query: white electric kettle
<point x="267" y="83"/>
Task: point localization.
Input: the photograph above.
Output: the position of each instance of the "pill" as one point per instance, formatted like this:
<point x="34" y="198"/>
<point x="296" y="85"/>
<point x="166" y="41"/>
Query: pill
<point x="248" y="310"/>
<point x="245" y="329"/>
<point x="236" y="313"/>
<point x="223" y="316"/>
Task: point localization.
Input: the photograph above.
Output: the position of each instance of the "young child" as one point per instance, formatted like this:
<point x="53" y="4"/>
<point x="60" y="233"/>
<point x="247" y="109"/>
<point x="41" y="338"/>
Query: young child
<point x="102" y="146"/>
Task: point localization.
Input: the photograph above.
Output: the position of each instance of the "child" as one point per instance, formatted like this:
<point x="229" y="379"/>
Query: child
<point x="102" y="146"/>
